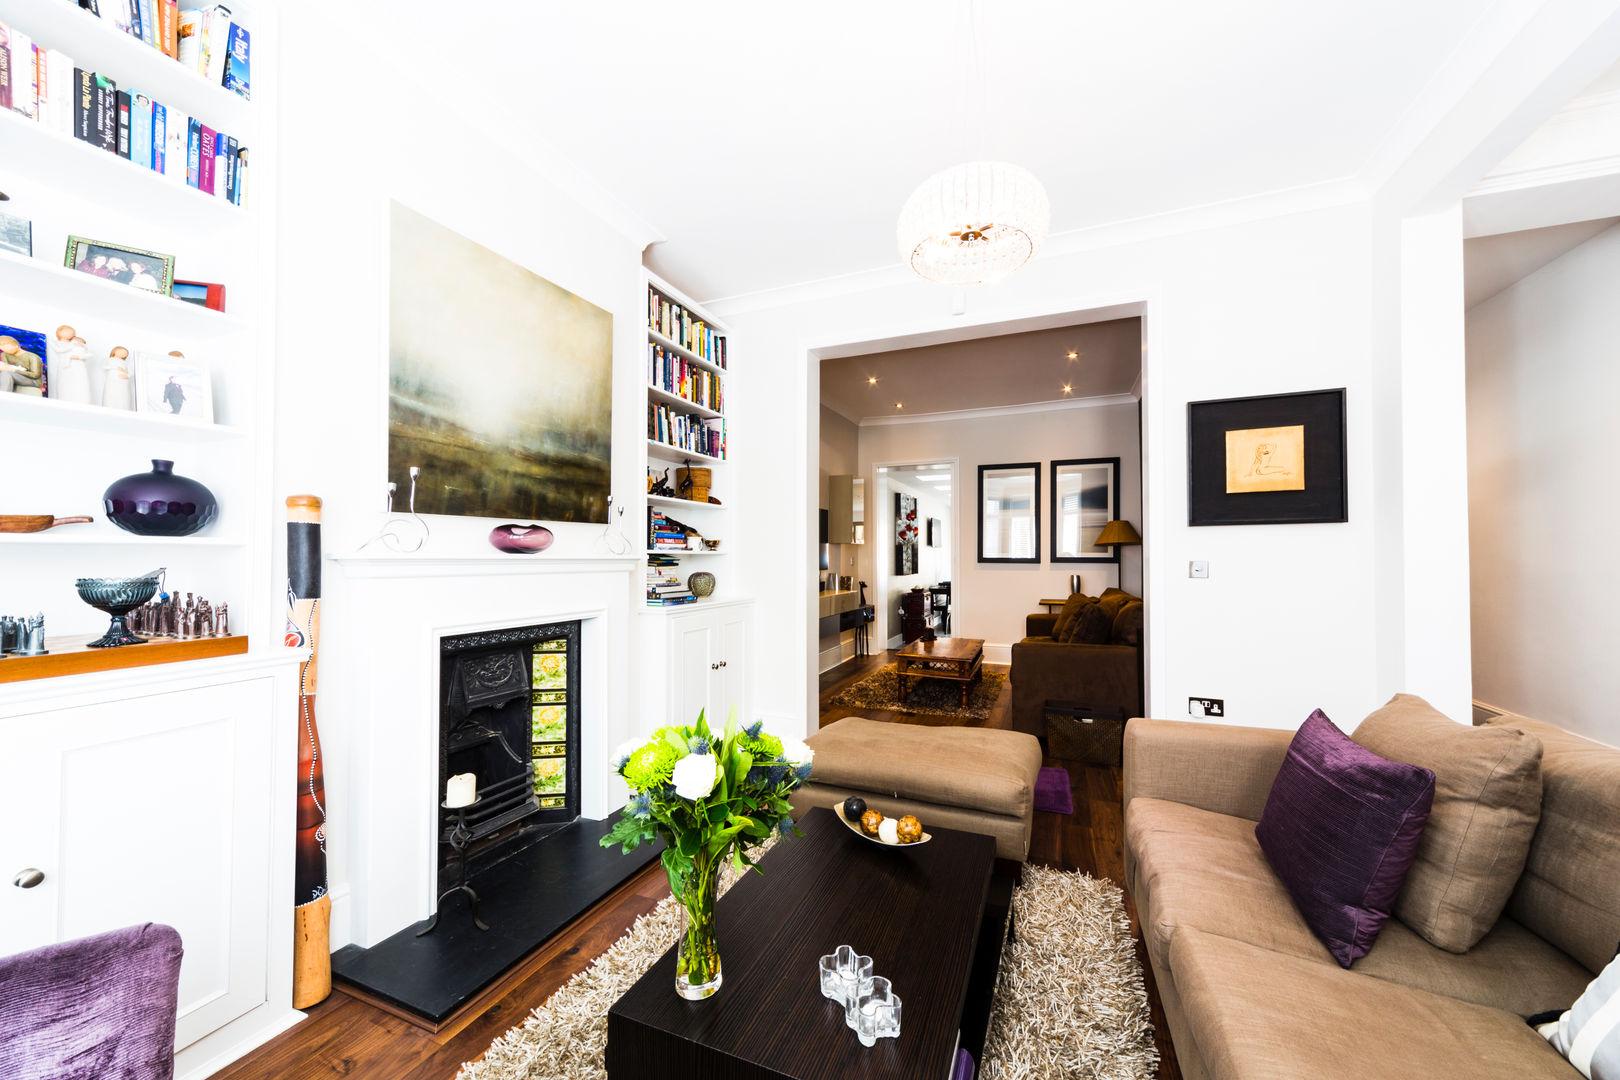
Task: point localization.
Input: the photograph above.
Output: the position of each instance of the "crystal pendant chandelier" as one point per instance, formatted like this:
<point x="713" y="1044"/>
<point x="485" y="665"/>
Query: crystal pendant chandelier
<point x="974" y="223"/>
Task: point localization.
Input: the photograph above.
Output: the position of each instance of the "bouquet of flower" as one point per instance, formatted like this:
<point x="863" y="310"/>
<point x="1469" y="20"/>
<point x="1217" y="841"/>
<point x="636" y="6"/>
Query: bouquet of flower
<point x="709" y="798"/>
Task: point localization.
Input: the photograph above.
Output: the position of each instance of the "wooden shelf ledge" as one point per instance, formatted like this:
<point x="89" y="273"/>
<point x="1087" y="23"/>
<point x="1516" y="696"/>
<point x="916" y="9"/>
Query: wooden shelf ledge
<point x="72" y="656"/>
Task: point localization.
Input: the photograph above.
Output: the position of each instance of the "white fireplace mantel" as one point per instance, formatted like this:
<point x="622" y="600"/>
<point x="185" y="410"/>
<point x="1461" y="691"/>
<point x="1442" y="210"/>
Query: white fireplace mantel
<point x="383" y="615"/>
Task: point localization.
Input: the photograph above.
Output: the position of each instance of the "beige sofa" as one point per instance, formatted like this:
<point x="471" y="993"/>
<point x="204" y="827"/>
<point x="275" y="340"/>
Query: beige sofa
<point x="1251" y="994"/>
<point x="974" y="779"/>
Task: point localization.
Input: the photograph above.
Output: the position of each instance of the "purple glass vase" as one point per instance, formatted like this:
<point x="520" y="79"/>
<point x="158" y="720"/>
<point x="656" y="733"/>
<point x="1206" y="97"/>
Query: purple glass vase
<point x="520" y="539"/>
<point x="159" y="503"/>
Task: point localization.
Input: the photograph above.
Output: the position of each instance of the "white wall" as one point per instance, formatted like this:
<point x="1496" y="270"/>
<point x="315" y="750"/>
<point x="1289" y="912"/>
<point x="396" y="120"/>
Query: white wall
<point x="990" y="600"/>
<point x="1542" y="441"/>
<point x="1284" y="624"/>
<point x="347" y="155"/>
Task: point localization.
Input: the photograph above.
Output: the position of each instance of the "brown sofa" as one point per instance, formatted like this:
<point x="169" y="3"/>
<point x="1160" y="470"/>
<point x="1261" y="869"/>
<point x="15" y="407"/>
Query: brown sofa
<point x="1250" y="993"/>
<point x="975" y="779"/>
<point x="1101" y="676"/>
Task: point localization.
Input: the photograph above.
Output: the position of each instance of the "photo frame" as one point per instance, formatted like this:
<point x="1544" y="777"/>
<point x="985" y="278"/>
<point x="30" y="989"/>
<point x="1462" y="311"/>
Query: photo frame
<point x="1010" y="513"/>
<point x="170" y="385"/>
<point x="32" y="342"/>
<point x="1085" y="497"/>
<point x="149" y="271"/>
<point x="1272" y="460"/>
<point x="208" y="294"/>
<point x="16" y="234"/>
<point x="905" y="534"/>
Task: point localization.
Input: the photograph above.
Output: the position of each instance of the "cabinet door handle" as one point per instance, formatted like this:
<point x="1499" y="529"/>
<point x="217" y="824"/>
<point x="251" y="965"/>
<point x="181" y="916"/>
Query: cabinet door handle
<point x="714" y="667"/>
<point x="27" y="879"/>
<point x="722" y="663"/>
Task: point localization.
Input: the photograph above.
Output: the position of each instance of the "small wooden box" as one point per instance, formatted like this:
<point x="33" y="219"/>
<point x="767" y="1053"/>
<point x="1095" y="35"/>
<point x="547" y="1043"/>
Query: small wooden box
<point x="1078" y="733"/>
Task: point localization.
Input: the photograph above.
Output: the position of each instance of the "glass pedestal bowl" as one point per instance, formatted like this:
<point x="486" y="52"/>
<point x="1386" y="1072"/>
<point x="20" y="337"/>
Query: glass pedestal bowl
<point x="118" y="597"/>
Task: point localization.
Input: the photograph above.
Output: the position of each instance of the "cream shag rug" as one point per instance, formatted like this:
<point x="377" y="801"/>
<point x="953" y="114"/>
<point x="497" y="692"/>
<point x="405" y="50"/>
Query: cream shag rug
<point x="1070" y="1001"/>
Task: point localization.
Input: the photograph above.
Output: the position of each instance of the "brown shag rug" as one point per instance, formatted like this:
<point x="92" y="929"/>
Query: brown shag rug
<point x="1070" y="1002"/>
<point x="931" y="697"/>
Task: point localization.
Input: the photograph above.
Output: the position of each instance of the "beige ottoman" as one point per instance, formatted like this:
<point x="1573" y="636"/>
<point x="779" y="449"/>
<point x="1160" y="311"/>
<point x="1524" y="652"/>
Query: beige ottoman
<point x="974" y="779"/>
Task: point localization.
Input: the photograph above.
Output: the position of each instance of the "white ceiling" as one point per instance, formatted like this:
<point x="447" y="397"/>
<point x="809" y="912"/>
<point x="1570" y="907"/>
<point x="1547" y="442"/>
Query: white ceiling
<point x="992" y="372"/>
<point x="775" y="143"/>
<point x="1492" y="263"/>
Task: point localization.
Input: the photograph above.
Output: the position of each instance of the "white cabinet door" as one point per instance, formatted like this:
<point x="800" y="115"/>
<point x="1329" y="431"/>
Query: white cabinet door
<point x="691" y="668"/>
<point x="149" y="809"/>
<point x="730" y="685"/>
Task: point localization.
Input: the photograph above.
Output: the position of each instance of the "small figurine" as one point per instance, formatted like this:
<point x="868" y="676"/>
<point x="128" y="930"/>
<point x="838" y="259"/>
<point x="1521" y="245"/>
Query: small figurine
<point x="10" y="635"/>
<point x="205" y="619"/>
<point x="222" y="627"/>
<point x="70" y="370"/>
<point x="20" y="370"/>
<point x="33" y="639"/>
<point x="661" y="486"/>
<point x="118" y="392"/>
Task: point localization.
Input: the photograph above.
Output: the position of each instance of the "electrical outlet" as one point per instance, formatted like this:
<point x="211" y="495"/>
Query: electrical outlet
<point x="1206" y="706"/>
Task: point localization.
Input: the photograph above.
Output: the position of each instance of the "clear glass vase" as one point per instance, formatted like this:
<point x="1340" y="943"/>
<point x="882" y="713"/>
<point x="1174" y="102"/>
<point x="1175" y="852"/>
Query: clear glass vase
<point x="697" y="961"/>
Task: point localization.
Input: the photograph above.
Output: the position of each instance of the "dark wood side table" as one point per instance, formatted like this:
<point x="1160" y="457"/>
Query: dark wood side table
<point x="932" y="918"/>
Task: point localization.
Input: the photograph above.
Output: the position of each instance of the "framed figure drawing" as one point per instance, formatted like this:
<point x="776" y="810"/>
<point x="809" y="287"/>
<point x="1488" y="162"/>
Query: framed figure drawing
<point x="1085" y="497"/>
<point x="1273" y="460"/>
<point x="1010" y="513"/>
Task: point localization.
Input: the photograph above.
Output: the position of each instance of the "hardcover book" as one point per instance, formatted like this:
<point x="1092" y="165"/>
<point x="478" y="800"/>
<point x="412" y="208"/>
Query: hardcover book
<point x="189" y="45"/>
<point x="5" y="66"/>
<point x="149" y="23"/>
<point x="168" y="16"/>
<point x="84" y="105"/>
<point x="124" y="105"/>
<point x="207" y="151"/>
<point x="133" y="23"/>
<point x="106" y="112"/>
<point x="194" y="152"/>
<point x="160" y="138"/>
<point x="140" y="130"/>
<point x="24" y="72"/>
<point x="177" y="126"/>
<point x="237" y="61"/>
<point x="230" y="167"/>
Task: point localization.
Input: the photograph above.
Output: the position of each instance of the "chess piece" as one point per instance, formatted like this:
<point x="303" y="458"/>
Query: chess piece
<point x="205" y="620"/>
<point x="222" y="627"/>
<point x="118" y="392"/>
<point x="33" y="637"/>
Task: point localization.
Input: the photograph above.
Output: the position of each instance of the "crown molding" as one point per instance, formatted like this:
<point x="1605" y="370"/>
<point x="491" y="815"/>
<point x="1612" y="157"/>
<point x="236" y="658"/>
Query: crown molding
<point x="1281" y="202"/>
<point x="1000" y="410"/>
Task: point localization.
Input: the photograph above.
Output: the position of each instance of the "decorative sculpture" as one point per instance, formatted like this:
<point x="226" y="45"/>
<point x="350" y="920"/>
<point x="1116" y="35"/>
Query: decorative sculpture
<point x="312" y="907"/>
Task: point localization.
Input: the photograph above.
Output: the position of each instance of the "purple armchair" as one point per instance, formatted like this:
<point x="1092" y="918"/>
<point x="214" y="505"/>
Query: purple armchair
<point x="98" y="1007"/>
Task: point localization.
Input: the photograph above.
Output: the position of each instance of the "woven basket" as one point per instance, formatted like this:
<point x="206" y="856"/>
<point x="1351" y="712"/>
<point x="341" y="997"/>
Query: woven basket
<point x="1096" y="740"/>
<point x="700" y="477"/>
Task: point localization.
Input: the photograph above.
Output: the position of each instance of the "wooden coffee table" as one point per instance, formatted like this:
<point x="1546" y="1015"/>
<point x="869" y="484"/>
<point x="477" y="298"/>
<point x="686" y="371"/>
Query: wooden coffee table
<point x="957" y="658"/>
<point x="932" y="917"/>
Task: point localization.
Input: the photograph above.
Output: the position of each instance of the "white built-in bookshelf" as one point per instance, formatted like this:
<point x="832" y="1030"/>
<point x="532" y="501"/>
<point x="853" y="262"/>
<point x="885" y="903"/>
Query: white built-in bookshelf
<point x="62" y="455"/>
<point x="687" y="367"/>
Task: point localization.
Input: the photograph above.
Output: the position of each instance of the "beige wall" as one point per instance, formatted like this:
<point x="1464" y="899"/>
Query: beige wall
<point x="1543" y="515"/>
<point x="990" y="600"/>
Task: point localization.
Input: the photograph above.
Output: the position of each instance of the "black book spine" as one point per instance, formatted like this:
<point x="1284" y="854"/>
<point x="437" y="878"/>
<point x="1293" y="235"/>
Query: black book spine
<point x="123" y="124"/>
<point x="92" y="6"/>
<point x="84" y="105"/>
<point x="106" y="113"/>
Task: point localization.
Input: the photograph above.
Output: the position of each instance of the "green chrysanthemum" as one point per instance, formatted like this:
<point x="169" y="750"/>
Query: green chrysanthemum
<point x="765" y="748"/>
<point x="650" y="766"/>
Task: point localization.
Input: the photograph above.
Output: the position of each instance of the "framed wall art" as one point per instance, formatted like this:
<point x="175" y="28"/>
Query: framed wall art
<point x="1010" y="513"/>
<point x="1085" y="497"/>
<point x="905" y="534"/>
<point x="1273" y="460"/>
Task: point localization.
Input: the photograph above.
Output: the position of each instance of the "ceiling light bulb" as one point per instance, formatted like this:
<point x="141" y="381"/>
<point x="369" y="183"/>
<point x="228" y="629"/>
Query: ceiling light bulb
<point x="1067" y="389"/>
<point x="897" y="405"/>
<point x="871" y="380"/>
<point x="1074" y="355"/>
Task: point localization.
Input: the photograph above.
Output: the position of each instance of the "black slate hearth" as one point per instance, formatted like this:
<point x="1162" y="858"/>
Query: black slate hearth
<point x="525" y="900"/>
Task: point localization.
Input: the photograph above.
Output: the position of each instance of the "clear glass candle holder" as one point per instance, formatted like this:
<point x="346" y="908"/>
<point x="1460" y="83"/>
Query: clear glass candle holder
<point x="875" y="1013"/>
<point x="845" y="975"/>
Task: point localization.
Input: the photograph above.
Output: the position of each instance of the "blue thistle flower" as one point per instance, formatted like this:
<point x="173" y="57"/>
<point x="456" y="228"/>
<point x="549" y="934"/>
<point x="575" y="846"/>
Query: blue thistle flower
<point x="777" y="772"/>
<point x="754" y="729"/>
<point x="784" y="826"/>
<point x="698" y="745"/>
<point x="639" y="805"/>
<point x="803" y="773"/>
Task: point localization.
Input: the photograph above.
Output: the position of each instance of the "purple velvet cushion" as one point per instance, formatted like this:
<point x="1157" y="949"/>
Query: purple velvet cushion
<point x="94" y="1008"/>
<point x="1341" y="828"/>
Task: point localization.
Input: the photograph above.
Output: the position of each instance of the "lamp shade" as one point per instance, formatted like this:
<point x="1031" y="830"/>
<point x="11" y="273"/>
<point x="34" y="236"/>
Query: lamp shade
<point x="973" y="223"/>
<point x="1118" y="532"/>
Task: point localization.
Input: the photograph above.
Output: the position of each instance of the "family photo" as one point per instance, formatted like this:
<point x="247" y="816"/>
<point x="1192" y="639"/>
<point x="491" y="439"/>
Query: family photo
<point x="147" y="270"/>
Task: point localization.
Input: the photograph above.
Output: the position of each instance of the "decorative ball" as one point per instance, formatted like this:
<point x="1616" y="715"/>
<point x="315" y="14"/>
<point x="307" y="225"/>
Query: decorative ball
<point x="701" y="583"/>
<point x="854" y="807"/>
<point x="888" y="831"/>
<point x="908" y="829"/>
<point x="870" y="822"/>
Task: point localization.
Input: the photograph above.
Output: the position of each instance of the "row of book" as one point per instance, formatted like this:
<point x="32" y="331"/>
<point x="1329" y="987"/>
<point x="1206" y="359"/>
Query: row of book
<point x="664" y="533"/>
<point x="45" y="85"/>
<point x="207" y="40"/>
<point x="685" y="329"/>
<point x="684" y="432"/>
<point x="674" y="374"/>
<point x="664" y="586"/>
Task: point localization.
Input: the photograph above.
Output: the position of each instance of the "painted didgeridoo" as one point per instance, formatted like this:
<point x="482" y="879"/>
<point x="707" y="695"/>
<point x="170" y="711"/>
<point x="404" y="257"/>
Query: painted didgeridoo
<point x="312" y="907"/>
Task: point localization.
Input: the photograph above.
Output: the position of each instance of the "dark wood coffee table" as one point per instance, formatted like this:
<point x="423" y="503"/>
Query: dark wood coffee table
<point x="957" y="658"/>
<point x="931" y="917"/>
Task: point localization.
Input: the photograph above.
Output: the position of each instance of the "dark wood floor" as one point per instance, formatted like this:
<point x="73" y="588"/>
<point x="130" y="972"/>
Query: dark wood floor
<point x="346" y="1037"/>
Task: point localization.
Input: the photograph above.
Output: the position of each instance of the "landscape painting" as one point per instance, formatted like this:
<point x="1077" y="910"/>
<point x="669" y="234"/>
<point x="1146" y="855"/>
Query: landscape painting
<point x="500" y="382"/>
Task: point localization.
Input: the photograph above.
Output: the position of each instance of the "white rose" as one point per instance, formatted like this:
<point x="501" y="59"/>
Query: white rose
<point x="695" y="776"/>
<point x="797" y="751"/>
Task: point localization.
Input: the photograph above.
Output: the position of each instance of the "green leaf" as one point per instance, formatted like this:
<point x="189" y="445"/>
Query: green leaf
<point x="673" y="738"/>
<point x="741" y="763"/>
<point x="703" y="723"/>
<point x="688" y="843"/>
<point x="733" y="723"/>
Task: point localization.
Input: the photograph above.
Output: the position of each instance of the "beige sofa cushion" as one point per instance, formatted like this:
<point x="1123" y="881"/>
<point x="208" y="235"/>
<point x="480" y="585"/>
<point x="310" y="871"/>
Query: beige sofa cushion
<point x="1193" y="869"/>
<point x="1263" y="1015"/>
<point x="1570" y="890"/>
<point x="975" y="768"/>
<point x="1487" y="800"/>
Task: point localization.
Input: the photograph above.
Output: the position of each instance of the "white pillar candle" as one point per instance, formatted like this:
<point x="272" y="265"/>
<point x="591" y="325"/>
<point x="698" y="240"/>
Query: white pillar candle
<point x="461" y="790"/>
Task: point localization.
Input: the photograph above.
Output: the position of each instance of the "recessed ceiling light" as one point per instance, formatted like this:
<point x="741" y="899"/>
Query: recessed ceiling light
<point x="871" y="380"/>
<point x="898" y="405"/>
<point x="1067" y="389"/>
<point x="1073" y="355"/>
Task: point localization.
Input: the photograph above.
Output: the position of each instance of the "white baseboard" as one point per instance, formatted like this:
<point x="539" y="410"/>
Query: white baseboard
<point x="997" y="654"/>
<point x="209" y="1055"/>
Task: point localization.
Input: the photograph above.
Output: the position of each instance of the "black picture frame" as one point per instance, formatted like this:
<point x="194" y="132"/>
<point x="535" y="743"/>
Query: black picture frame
<point x="1110" y="552"/>
<point x="1324" y="494"/>
<point x="1033" y="468"/>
